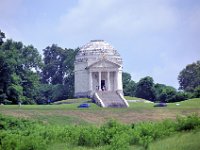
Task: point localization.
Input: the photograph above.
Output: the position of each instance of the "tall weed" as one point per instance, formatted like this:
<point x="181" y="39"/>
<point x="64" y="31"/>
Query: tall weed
<point x="24" y="134"/>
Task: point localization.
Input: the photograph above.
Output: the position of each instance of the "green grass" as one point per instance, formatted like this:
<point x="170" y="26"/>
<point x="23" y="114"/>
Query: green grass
<point x="180" y="141"/>
<point x="77" y="100"/>
<point x="140" y="106"/>
<point x="61" y="120"/>
<point x="72" y="106"/>
<point x="191" y="103"/>
<point x="133" y="98"/>
<point x="71" y="114"/>
<point x="182" y="133"/>
<point x="59" y="115"/>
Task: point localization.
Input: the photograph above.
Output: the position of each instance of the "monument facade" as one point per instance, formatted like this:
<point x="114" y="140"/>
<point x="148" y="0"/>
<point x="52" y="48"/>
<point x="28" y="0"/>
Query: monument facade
<point x="98" y="71"/>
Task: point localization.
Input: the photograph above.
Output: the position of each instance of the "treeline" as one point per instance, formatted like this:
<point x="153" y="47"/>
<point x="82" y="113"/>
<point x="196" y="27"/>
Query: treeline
<point x="27" y="77"/>
<point x="189" y="80"/>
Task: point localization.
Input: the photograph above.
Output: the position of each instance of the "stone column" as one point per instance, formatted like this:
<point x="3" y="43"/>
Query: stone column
<point x="99" y="81"/>
<point x="90" y="81"/>
<point x="120" y="85"/>
<point x="108" y="80"/>
<point x="116" y="80"/>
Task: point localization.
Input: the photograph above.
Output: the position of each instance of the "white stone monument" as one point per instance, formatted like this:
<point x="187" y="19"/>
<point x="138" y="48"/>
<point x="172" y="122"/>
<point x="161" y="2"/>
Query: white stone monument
<point x="98" y="72"/>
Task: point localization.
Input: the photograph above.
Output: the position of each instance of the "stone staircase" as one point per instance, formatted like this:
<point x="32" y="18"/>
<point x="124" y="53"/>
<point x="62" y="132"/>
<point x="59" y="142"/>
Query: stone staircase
<point x="110" y="99"/>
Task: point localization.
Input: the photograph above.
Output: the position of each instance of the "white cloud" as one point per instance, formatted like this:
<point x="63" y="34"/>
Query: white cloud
<point x="117" y="18"/>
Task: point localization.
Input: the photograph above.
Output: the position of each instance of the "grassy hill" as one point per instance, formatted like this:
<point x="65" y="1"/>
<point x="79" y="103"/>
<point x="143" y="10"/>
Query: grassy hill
<point x="64" y="117"/>
<point x="70" y="114"/>
<point x="191" y="103"/>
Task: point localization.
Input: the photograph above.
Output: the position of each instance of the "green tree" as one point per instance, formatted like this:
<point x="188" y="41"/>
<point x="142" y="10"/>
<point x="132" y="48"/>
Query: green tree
<point x="58" y="71"/>
<point x="145" y="88"/>
<point x="197" y="92"/>
<point x="168" y="94"/>
<point x="158" y="90"/>
<point x="58" y="64"/>
<point x="44" y="93"/>
<point x="128" y="84"/>
<point x="19" y="70"/>
<point x="2" y="36"/>
<point x="15" y="90"/>
<point x="189" y="77"/>
<point x="181" y="95"/>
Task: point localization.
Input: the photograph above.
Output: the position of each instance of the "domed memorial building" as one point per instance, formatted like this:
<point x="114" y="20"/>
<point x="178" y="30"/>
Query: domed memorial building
<point x="98" y="74"/>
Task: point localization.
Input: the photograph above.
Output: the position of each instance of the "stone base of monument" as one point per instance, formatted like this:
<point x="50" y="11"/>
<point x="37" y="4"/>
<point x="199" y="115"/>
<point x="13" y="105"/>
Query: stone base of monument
<point x="110" y="99"/>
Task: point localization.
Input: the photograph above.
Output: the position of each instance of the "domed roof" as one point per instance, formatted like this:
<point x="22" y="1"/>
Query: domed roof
<point x="96" y="49"/>
<point x="97" y="45"/>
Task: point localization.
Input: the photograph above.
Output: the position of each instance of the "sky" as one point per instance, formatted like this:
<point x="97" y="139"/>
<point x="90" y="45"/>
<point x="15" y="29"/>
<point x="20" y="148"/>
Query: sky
<point x="156" y="38"/>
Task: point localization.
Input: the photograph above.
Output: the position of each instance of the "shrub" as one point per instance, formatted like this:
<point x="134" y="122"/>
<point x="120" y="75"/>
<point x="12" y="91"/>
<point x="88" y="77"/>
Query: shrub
<point x="24" y="134"/>
<point x="146" y="132"/>
<point x="120" y="142"/>
<point x="142" y="134"/>
<point x="112" y="128"/>
<point x="188" y="123"/>
<point x="89" y="136"/>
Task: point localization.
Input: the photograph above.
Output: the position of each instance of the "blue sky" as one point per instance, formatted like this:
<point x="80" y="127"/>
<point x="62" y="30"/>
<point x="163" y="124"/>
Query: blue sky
<point x="156" y="38"/>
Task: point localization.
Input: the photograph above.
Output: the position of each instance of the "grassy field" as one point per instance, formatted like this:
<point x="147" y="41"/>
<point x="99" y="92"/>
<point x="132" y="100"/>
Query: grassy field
<point x="181" y="141"/>
<point x="132" y="98"/>
<point x="70" y="114"/>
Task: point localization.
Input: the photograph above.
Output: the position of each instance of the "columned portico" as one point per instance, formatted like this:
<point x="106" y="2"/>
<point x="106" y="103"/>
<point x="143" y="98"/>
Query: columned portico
<point x="103" y="80"/>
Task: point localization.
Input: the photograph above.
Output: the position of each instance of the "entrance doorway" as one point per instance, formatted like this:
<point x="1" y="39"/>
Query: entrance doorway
<point x="103" y="85"/>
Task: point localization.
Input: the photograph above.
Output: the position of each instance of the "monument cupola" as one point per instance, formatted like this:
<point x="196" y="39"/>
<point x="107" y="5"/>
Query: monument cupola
<point x="98" y="49"/>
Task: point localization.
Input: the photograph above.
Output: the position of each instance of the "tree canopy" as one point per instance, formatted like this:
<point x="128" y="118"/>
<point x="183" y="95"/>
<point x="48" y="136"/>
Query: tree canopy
<point x="19" y="68"/>
<point x="58" y="71"/>
<point x="25" y="77"/>
<point x="128" y="84"/>
<point x="189" y="77"/>
<point x="2" y="36"/>
<point x="145" y="88"/>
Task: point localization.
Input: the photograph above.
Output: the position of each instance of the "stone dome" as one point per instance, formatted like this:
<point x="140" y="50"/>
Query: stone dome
<point x="96" y="50"/>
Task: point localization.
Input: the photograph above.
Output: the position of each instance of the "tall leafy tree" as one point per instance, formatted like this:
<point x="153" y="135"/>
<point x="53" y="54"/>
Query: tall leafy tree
<point x="2" y="36"/>
<point x="189" y="77"/>
<point x="168" y="94"/>
<point x="58" y="70"/>
<point x="145" y="88"/>
<point x="128" y="84"/>
<point x="19" y="69"/>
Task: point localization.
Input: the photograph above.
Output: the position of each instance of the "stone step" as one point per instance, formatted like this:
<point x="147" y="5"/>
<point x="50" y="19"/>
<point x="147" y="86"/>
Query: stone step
<point x="111" y="99"/>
